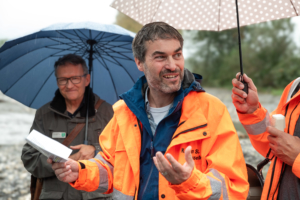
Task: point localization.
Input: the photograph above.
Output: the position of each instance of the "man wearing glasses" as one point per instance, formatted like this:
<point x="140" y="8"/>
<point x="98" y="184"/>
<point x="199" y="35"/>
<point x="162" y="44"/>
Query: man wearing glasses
<point x="59" y="117"/>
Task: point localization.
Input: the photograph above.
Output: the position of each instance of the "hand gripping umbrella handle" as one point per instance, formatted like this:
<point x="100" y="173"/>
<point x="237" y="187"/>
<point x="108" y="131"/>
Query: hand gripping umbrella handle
<point x="245" y="89"/>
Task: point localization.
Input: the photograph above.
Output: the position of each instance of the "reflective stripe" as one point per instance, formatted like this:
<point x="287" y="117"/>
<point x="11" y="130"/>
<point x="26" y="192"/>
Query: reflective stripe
<point x="99" y="157"/>
<point x="224" y="189"/>
<point x="216" y="187"/>
<point x="258" y="128"/>
<point x="103" y="184"/>
<point x="120" y="196"/>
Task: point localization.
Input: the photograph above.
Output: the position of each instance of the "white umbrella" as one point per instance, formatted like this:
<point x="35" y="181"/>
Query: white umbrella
<point x="211" y="15"/>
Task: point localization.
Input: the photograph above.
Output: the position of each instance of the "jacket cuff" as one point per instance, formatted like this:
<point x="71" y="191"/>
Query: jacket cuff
<point x="296" y="166"/>
<point x="83" y="181"/>
<point x="189" y="184"/>
<point x="253" y="118"/>
<point x="75" y="183"/>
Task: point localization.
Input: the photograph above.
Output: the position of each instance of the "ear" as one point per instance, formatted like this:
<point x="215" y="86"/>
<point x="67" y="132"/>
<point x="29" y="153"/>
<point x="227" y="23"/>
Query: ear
<point x="87" y="79"/>
<point x="139" y="64"/>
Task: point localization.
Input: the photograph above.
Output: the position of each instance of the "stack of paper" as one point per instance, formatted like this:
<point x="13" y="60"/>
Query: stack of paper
<point x="49" y="147"/>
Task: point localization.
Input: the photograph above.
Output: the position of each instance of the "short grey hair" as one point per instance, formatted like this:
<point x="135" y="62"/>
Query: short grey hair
<point x="153" y="31"/>
<point x="72" y="59"/>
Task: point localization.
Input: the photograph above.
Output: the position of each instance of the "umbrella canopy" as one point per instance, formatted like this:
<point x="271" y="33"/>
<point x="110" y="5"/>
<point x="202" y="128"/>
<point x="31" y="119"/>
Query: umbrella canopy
<point x="212" y="15"/>
<point x="27" y="63"/>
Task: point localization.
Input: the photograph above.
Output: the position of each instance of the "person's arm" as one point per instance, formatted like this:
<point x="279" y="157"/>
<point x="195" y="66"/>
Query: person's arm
<point x="34" y="161"/>
<point x="96" y="174"/>
<point x="225" y="176"/>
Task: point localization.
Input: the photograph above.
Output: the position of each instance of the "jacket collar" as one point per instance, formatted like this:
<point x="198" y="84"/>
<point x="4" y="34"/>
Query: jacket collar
<point x="58" y="103"/>
<point x="135" y="97"/>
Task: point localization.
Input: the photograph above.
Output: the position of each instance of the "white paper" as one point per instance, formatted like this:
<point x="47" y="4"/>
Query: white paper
<point x="278" y="121"/>
<point x="48" y="147"/>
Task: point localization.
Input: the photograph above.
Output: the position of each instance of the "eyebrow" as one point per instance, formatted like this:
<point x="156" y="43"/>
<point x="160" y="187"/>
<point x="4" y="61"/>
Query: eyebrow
<point x="160" y="52"/>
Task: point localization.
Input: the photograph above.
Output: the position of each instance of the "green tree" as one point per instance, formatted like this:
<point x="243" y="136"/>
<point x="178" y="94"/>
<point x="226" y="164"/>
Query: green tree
<point x="268" y="54"/>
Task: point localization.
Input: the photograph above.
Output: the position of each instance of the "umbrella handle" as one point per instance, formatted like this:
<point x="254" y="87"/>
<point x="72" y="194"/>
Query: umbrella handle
<point x="241" y="79"/>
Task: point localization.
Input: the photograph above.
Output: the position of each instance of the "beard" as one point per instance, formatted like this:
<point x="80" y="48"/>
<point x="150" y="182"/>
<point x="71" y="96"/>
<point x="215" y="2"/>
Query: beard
<point x="159" y="83"/>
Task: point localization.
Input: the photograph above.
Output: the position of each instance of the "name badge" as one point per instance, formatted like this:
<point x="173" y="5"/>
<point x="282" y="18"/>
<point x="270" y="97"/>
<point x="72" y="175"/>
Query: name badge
<point x="59" y="135"/>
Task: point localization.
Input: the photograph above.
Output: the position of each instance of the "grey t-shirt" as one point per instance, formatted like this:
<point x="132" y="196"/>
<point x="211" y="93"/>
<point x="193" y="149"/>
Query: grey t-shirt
<point x="155" y="115"/>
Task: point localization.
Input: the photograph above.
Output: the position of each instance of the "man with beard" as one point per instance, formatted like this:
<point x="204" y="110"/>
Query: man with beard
<point x="168" y="139"/>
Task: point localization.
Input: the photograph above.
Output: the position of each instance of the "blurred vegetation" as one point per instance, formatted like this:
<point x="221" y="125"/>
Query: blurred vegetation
<point x="270" y="56"/>
<point x="127" y="23"/>
<point x="2" y="41"/>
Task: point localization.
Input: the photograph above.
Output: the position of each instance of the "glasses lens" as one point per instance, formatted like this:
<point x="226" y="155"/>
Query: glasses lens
<point x="62" y="81"/>
<point x="75" y="79"/>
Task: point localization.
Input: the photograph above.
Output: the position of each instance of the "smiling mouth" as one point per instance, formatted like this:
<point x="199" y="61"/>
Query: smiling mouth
<point x="170" y="76"/>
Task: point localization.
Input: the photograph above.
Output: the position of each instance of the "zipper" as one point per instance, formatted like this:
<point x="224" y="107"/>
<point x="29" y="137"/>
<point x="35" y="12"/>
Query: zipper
<point x="148" y="179"/>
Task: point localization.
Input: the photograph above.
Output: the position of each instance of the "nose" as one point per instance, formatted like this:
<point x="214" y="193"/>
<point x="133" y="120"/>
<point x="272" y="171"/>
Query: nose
<point x="69" y="83"/>
<point x="171" y="64"/>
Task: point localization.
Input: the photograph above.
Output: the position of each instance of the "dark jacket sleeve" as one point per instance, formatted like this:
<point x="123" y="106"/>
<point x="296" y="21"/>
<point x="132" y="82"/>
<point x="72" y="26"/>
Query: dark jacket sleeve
<point x="33" y="160"/>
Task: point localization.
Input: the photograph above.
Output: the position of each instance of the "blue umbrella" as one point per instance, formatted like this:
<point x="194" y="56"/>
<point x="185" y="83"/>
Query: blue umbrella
<point x="27" y="63"/>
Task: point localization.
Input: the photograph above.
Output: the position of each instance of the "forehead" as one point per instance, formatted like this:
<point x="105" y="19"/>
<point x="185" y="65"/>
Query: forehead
<point x="69" y="69"/>
<point x="162" y="45"/>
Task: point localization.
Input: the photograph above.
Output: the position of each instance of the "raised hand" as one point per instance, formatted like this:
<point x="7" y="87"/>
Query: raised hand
<point x="172" y="170"/>
<point x="85" y="152"/>
<point x="243" y="102"/>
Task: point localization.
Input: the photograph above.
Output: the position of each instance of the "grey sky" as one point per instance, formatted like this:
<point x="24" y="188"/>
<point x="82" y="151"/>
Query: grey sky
<point x="22" y="17"/>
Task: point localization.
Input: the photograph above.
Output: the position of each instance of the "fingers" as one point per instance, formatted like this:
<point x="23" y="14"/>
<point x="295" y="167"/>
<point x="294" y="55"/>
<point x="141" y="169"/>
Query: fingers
<point x="177" y="167"/>
<point x="273" y="131"/>
<point x="188" y="157"/>
<point x="247" y="80"/>
<point x="238" y="95"/>
<point x="76" y="147"/>
<point x="49" y="160"/>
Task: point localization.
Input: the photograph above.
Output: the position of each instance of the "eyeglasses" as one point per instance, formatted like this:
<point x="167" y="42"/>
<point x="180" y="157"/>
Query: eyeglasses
<point x="73" y="79"/>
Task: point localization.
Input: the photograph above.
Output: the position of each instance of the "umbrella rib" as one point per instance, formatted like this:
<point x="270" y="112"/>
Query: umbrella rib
<point x="27" y="72"/>
<point x="112" y="34"/>
<point x="72" y="39"/>
<point x="30" y="52"/>
<point x="111" y="46"/>
<point x="294" y="7"/>
<point x="109" y="75"/>
<point x="219" y="15"/>
<point x="112" y="51"/>
<point x="98" y="35"/>
<point x="65" y="43"/>
<point x="119" y="65"/>
<point x="75" y="34"/>
<point x="155" y="11"/>
<point x="63" y="31"/>
<point x="41" y="88"/>
<point x="121" y="54"/>
<point x="86" y="37"/>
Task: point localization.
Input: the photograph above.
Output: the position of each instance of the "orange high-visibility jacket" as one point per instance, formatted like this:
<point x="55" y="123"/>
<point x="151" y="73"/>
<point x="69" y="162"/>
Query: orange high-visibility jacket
<point x="256" y="124"/>
<point x="205" y="124"/>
